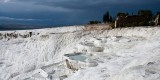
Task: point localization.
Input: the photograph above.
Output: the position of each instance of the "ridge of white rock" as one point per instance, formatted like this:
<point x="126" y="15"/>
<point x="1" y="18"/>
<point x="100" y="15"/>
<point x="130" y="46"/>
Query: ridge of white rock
<point x="117" y="54"/>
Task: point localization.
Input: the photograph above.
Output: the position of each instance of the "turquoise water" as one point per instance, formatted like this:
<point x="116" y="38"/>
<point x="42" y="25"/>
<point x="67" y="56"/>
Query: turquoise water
<point x="77" y="57"/>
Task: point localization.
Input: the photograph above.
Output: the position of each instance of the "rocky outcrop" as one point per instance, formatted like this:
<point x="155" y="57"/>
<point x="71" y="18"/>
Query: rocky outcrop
<point x="157" y="20"/>
<point x="14" y="35"/>
<point x="97" y="27"/>
<point x="70" y="65"/>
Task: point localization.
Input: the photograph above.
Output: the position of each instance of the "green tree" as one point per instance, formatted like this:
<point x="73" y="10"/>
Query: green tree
<point x="94" y="22"/>
<point x="106" y="17"/>
<point x="110" y="19"/>
<point x="146" y="13"/>
<point x="122" y="14"/>
<point x="158" y="13"/>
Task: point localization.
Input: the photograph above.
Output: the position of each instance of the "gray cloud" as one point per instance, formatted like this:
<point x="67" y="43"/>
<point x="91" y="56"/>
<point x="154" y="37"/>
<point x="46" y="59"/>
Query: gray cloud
<point x="18" y="19"/>
<point x="59" y="12"/>
<point x="4" y="1"/>
<point x="84" y="4"/>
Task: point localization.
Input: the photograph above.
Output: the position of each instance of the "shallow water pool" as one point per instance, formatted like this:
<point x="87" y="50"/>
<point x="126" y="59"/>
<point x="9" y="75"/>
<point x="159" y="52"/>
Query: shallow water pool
<point x="77" y="56"/>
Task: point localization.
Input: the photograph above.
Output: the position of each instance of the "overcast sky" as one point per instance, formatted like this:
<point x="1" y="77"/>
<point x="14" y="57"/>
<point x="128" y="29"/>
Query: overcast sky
<point x="67" y="12"/>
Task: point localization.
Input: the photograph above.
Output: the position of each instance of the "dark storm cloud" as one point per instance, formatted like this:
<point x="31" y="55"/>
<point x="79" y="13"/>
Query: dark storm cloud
<point x="87" y="4"/>
<point x="63" y="12"/>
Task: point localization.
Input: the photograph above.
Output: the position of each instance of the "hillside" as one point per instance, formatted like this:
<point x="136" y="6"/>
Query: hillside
<point x="117" y="54"/>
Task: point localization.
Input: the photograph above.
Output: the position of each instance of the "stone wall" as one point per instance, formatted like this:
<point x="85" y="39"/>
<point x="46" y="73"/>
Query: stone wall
<point x="127" y="21"/>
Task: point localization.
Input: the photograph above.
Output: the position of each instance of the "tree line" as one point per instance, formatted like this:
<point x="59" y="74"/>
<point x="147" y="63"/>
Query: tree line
<point x="107" y="18"/>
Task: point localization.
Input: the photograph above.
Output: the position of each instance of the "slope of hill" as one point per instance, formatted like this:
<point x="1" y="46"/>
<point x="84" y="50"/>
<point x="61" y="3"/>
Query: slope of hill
<point x="117" y="54"/>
